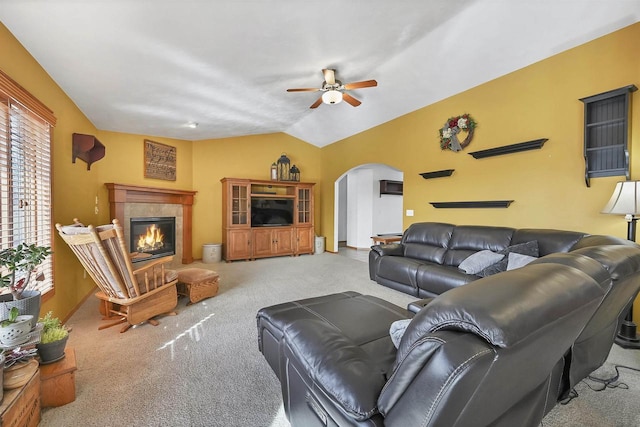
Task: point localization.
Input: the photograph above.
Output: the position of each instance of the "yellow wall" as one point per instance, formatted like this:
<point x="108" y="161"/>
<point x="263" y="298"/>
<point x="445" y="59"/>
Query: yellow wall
<point x="539" y="101"/>
<point x="71" y="183"/>
<point x="244" y="157"/>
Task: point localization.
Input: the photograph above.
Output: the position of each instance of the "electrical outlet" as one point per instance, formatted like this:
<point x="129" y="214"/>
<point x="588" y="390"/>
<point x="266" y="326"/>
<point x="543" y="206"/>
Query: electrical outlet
<point x="409" y="212"/>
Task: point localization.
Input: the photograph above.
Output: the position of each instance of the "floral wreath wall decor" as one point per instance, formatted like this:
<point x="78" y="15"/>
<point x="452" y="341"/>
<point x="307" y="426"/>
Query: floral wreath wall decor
<point x="451" y="129"/>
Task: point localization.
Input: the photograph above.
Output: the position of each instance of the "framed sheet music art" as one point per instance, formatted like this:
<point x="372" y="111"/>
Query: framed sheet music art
<point x="159" y="161"/>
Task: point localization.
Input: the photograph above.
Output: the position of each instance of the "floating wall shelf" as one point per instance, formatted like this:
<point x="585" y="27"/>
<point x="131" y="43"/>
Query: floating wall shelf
<point x="437" y="174"/>
<point x="508" y="149"/>
<point x="467" y="205"/>
<point x="87" y="148"/>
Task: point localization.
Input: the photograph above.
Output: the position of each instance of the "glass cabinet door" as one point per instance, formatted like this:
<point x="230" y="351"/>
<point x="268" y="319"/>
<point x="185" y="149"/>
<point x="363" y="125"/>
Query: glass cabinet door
<point x="304" y="206"/>
<point x="239" y="204"/>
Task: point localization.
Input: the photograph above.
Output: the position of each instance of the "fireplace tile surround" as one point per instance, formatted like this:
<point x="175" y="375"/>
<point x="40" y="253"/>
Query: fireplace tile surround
<point x="126" y="201"/>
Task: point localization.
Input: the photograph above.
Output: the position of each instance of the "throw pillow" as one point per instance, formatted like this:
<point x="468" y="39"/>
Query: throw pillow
<point x="477" y="262"/>
<point x="396" y="330"/>
<point x="517" y="260"/>
<point x="527" y="248"/>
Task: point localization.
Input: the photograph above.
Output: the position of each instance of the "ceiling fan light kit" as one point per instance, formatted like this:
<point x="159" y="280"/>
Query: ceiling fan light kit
<point x="332" y="97"/>
<point x="335" y="91"/>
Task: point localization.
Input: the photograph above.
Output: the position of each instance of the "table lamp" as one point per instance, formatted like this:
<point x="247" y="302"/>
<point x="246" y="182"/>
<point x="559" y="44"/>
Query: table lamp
<point x="626" y="201"/>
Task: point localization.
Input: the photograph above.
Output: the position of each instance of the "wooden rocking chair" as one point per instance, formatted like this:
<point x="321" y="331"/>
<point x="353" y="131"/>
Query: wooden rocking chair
<point x="128" y="295"/>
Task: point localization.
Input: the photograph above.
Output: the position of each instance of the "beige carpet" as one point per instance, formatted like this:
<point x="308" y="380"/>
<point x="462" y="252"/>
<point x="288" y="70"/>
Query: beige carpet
<point x="203" y="367"/>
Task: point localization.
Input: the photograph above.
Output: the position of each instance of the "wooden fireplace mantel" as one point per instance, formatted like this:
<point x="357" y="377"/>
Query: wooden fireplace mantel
<point x="119" y="194"/>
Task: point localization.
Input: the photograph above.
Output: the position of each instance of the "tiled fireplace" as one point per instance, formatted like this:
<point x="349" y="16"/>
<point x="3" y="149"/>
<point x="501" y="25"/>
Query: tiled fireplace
<point x="128" y="201"/>
<point x="153" y="237"/>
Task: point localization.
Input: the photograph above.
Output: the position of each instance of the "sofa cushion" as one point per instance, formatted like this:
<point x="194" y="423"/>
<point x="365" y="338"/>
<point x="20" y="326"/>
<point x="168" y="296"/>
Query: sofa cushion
<point x="620" y="261"/>
<point x="399" y="269"/>
<point x="517" y="260"/>
<point x="424" y="252"/>
<point x="427" y="241"/>
<point x="469" y="239"/>
<point x="583" y="263"/>
<point x="434" y="279"/>
<point x="396" y="330"/>
<point x="477" y="262"/>
<point x="527" y="248"/>
<point x="429" y="233"/>
<point x="549" y="241"/>
<point x="336" y="365"/>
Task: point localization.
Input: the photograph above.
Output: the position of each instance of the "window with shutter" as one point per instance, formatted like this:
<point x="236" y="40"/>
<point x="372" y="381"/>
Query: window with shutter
<point x="25" y="174"/>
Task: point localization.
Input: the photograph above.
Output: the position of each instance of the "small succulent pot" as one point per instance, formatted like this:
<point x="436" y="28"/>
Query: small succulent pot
<point x="16" y="332"/>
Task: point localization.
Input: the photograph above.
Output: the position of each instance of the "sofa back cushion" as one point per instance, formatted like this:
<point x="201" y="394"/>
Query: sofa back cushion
<point x="619" y="260"/>
<point x="600" y="240"/>
<point x="427" y="241"/>
<point x="549" y="241"/>
<point x="469" y="239"/>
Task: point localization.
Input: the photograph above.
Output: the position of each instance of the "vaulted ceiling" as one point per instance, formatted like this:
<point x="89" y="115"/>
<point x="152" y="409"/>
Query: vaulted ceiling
<point x="152" y="66"/>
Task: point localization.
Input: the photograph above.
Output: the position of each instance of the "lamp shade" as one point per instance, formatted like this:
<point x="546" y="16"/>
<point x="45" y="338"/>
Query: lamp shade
<point x="332" y="97"/>
<point x="625" y="199"/>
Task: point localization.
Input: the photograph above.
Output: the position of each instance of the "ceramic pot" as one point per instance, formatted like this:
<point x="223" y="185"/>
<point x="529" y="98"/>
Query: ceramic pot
<point x="17" y="332"/>
<point x="29" y="304"/>
<point x="52" y="351"/>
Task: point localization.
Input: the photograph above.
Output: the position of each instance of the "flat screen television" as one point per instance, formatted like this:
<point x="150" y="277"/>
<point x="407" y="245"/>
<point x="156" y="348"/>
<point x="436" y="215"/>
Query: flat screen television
<point x="271" y="212"/>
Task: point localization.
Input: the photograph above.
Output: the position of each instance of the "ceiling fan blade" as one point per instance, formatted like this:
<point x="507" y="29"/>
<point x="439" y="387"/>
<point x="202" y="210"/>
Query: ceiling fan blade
<point x="329" y="76"/>
<point x="350" y="100"/>
<point x="359" y="85"/>
<point x="304" y="89"/>
<point x="317" y="103"/>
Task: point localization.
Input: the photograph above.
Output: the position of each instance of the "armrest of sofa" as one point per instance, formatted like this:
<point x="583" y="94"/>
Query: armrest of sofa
<point x="393" y="249"/>
<point x="340" y="368"/>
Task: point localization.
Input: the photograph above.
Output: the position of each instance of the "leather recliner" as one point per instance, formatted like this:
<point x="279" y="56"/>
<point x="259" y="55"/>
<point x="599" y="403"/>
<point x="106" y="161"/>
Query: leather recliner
<point x="617" y="269"/>
<point x="470" y="358"/>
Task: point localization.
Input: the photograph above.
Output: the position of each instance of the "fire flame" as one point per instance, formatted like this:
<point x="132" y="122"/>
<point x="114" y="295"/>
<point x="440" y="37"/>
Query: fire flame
<point x="151" y="240"/>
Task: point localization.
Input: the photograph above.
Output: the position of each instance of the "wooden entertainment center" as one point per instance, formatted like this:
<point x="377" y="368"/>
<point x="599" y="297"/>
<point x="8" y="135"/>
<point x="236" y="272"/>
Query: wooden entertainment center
<point x="266" y="218"/>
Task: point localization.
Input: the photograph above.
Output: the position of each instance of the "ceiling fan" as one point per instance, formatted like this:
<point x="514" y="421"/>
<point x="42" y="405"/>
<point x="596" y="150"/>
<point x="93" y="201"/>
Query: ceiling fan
<point x="335" y="91"/>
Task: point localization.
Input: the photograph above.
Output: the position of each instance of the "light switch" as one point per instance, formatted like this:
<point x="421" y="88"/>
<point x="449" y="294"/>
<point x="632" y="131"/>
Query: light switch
<point x="409" y="212"/>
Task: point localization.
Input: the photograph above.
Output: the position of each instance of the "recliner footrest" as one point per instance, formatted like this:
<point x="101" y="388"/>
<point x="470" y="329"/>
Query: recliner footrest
<point x="346" y="311"/>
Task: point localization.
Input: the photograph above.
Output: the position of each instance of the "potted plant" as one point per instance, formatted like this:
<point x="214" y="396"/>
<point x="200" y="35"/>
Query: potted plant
<point x="15" y="329"/>
<point x="53" y="339"/>
<point x="18" y="266"/>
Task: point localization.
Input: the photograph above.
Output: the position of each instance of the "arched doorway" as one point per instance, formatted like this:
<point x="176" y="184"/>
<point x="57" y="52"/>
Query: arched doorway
<point x="360" y="211"/>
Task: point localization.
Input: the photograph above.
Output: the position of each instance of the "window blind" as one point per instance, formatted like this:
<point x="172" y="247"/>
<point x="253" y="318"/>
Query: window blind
<point x="25" y="179"/>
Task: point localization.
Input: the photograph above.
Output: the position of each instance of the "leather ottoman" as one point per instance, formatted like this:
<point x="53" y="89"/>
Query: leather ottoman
<point x="346" y="311"/>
